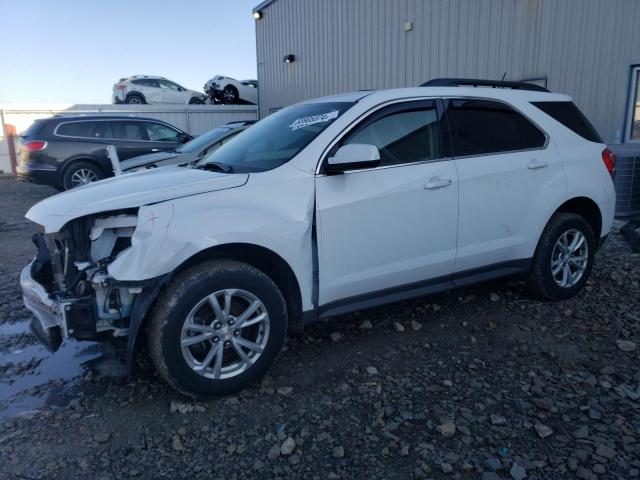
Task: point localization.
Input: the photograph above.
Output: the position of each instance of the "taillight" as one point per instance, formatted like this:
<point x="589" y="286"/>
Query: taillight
<point x="34" y="146"/>
<point x="609" y="159"/>
<point x="121" y="86"/>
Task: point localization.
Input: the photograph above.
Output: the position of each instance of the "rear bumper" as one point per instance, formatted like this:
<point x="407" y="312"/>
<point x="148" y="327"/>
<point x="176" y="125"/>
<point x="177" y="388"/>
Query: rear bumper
<point x="42" y="176"/>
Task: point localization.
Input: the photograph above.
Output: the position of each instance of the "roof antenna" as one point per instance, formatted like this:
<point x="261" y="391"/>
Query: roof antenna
<point x="503" y="75"/>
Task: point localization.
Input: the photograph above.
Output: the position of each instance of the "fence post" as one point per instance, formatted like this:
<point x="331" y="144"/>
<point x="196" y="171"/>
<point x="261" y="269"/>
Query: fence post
<point x="187" y="120"/>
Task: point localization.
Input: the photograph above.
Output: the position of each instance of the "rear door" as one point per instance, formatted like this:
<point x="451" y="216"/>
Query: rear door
<point x="149" y="88"/>
<point x="393" y="225"/>
<point x="511" y="179"/>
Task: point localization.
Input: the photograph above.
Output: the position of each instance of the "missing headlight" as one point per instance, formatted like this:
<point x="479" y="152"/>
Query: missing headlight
<point x="111" y="235"/>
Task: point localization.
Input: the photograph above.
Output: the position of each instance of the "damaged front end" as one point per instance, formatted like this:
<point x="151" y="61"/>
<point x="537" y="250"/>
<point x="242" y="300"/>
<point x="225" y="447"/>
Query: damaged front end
<point x="67" y="286"/>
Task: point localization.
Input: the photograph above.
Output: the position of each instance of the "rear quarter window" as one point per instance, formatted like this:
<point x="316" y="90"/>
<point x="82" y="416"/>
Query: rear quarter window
<point x="571" y="117"/>
<point x="33" y="129"/>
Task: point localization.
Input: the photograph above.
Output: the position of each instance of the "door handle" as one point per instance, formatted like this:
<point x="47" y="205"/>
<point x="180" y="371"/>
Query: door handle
<point x="437" y="182"/>
<point x="155" y="149"/>
<point x="535" y="163"/>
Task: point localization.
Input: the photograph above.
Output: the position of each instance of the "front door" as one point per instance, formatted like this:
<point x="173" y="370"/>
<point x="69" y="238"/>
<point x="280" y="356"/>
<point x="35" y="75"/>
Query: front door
<point x="395" y="224"/>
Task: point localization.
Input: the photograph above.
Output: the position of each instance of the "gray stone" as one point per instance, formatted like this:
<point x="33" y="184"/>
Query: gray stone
<point x="398" y="327"/>
<point x="542" y="430"/>
<point x="494" y="464"/>
<point x="497" y="419"/>
<point x="288" y="446"/>
<point x="366" y="325"/>
<point x="274" y="452"/>
<point x="606" y="452"/>
<point x="626" y="345"/>
<point x="447" y="429"/>
<point x="102" y="437"/>
<point x="517" y="471"/>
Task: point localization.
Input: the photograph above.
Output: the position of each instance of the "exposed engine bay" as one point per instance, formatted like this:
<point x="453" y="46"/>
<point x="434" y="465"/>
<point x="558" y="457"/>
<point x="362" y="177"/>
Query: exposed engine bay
<point x="72" y="266"/>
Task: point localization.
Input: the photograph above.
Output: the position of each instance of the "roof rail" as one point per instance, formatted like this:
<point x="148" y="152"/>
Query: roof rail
<point x="474" y="82"/>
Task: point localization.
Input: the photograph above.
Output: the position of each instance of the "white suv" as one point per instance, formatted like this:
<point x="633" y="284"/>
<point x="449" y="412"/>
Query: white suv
<point x="323" y="208"/>
<point x="141" y="89"/>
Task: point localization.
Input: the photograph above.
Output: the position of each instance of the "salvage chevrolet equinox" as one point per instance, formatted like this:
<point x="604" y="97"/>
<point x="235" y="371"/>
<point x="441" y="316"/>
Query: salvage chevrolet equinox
<point x="325" y="207"/>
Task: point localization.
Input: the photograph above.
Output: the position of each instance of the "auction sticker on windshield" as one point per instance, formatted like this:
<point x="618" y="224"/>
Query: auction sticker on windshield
<point x="313" y="119"/>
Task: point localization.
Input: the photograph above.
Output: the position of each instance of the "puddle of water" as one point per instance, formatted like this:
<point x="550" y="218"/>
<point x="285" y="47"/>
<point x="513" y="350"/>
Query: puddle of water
<point x="9" y="329"/>
<point x="72" y="361"/>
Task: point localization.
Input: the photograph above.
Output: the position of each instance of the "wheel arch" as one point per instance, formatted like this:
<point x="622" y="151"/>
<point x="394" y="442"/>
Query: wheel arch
<point x="265" y="260"/>
<point x="587" y="209"/>
<point x="84" y="158"/>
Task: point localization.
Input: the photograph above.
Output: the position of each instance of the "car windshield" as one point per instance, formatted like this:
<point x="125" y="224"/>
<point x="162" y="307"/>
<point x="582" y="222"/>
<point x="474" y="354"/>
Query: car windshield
<point x="204" y="140"/>
<point x="276" y="139"/>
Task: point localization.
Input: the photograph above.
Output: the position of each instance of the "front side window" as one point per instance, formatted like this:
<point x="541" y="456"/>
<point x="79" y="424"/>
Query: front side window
<point x="125" y="130"/>
<point x="634" y="107"/>
<point x="161" y="133"/>
<point x="482" y="127"/>
<point x="403" y="133"/>
<point x="169" y="85"/>
<point x="276" y="139"/>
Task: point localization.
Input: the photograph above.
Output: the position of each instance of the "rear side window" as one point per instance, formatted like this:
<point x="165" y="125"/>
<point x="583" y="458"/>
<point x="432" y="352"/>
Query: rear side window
<point x="405" y="134"/>
<point x="129" y="131"/>
<point x="571" y="117"/>
<point x="76" y="129"/>
<point x="481" y="127"/>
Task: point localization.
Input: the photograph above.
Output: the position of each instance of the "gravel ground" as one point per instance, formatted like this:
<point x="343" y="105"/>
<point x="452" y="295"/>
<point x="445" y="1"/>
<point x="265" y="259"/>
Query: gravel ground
<point x="488" y="382"/>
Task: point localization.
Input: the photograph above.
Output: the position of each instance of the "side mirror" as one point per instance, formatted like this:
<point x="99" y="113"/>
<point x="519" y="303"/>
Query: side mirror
<point x="184" y="137"/>
<point x="353" y="157"/>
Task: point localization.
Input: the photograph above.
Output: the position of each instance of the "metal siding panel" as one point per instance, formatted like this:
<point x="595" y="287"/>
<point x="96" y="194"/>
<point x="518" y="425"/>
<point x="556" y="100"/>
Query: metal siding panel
<point x="584" y="47"/>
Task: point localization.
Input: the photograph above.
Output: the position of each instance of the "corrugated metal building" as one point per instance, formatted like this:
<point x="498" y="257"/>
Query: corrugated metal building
<point x="589" y="49"/>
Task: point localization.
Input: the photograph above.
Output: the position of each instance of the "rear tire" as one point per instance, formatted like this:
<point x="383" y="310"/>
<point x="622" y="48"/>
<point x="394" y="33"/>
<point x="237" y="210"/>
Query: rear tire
<point x="80" y="173"/>
<point x="135" y="99"/>
<point x="195" y="101"/>
<point x="564" y="257"/>
<point x="204" y="352"/>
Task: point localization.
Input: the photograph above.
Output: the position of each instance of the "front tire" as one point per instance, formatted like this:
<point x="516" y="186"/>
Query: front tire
<point x="564" y="257"/>
<point x="217" y="327"/>
<point x="195" y="101"/>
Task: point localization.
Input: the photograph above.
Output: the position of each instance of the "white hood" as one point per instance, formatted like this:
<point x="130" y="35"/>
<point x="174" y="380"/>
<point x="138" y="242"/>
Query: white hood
<point x="129" y="191"/>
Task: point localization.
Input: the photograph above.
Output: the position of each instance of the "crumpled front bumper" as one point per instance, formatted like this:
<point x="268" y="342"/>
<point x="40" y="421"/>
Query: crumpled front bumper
<point x="49" y="324"/>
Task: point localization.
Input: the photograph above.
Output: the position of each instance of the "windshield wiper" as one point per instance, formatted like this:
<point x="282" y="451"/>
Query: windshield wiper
<point x="221" y="167"/>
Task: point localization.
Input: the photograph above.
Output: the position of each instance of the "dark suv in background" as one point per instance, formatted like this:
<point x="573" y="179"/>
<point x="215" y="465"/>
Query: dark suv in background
<point x="69" y="151"/>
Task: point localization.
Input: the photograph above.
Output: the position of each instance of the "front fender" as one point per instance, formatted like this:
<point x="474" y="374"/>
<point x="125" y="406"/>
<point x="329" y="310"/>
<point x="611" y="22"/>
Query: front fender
<point x="170" y="233"/>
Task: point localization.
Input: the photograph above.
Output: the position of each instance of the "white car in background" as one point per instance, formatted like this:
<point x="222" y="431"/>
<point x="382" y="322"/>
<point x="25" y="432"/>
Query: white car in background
<point x="228" y="90"/>
<point x="141" y="89"/>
